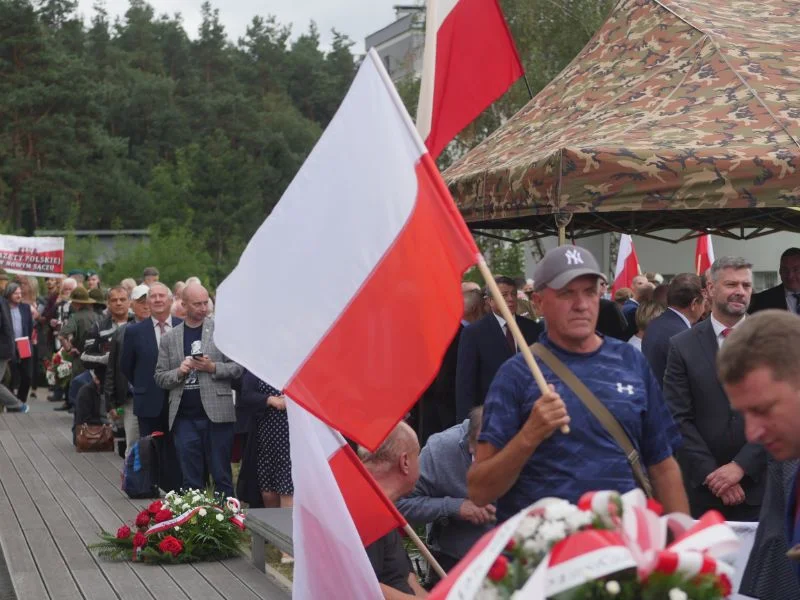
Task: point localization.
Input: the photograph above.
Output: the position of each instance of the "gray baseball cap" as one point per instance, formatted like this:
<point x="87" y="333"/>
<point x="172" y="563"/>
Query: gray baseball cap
<point x="563" y="264"/>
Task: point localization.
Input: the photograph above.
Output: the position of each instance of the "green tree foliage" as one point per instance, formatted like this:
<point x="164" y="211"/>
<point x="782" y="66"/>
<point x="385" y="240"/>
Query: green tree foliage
<point x="137" y="124"/>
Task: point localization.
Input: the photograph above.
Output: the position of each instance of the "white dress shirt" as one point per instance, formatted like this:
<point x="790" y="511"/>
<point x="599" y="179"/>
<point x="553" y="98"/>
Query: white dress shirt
<point x="504" y="327"/>
<point x="791" y="301"/>
<point x="719" y="328"/>
<point x="167" y="327"/>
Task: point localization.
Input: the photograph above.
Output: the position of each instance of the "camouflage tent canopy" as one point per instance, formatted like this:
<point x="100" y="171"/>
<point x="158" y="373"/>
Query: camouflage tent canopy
<point x="677" y="114"/>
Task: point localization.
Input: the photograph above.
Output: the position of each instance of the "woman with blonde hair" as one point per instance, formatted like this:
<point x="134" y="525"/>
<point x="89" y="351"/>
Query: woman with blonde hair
<point x="646" y="312"/>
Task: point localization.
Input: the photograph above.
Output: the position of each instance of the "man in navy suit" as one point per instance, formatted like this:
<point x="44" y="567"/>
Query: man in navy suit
<point x="759" y="365"/>
<point x="784" y="296"/>
<point x="685" y="306"/>
<point x="139" y="358"/>
<point x="485" y="346"/>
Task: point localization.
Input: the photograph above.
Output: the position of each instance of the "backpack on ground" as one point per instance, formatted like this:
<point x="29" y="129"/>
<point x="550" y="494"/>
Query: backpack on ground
<point x="141" y="470"/>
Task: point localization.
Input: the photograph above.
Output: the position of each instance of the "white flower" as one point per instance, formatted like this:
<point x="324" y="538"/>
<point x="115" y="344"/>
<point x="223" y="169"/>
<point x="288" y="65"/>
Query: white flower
<point x="613" y="588"/>
<point x="186" y="506"/>
<point x="177" y="528"/>
<point x="528" y="526"/>
<point x="202" y="512"/>
<point x="578" y="519"/>
<point x="534" y="546"/>
<point x="559" y="510"/>
<point x="552" y="531"/>
<point x="196" y="499"/>
<point x="676" y="594"/>
<point x="221" y="517"/>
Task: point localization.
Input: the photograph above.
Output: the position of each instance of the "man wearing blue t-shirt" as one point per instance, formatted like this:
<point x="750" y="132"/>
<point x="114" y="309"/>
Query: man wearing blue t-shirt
<point x="522" y="457"/>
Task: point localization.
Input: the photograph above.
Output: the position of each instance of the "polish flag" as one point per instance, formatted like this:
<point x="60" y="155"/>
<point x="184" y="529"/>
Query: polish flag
<point x="703" y="254"/>
<point x="338" y="510"/>
<point x="627" y="264"/>
<point x="349" y="294"/>
<point x="470" y="61"/>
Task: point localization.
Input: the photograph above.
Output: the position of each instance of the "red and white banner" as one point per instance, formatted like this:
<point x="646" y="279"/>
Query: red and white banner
<point x="32" y="256"/>
<point x="627" y="264"/>
<point x="370" y="222"/>
<point x="338" y="510"/>
<point x="703" y="254"/>
<point x="470" y="61"/>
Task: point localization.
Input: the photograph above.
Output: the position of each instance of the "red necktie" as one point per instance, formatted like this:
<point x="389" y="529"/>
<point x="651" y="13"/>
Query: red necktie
<point x="510" y="339"/>
<point x="726" y="332"/>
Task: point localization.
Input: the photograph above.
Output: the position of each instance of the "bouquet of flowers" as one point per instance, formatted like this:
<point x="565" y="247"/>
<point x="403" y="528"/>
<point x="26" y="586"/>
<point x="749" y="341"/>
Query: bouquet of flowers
<point x="181" y="528"/>
<point x="58" y="369"/>
<point x="608" y="547"/>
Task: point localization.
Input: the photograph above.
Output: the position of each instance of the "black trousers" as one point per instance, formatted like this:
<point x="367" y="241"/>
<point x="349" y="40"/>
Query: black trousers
<point x="21" y="376"/>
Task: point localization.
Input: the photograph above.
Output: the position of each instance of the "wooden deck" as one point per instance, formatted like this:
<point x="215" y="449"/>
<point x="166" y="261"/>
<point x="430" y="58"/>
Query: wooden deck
<point x="53" y="502"/>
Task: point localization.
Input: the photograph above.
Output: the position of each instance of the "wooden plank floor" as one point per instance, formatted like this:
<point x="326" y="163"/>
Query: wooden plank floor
<point x="53" y="503"/>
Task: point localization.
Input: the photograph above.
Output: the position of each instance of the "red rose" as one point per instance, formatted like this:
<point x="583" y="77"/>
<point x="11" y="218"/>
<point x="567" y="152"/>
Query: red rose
<point x="655" y="506"/>
<point x="499" y="569"/>
<point x="143" y="519"/>
<point x="172" y="545"/>
<point x="123" y="533"/>
<point x="511" y="545"/>
<point x="139" y="540"/>
<point x="163" y="515"/>
<point x="57" y="359"/>
<point x="155" y="507"/>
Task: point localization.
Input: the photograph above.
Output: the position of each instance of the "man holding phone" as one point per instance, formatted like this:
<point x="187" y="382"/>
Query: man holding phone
<point x="201" y="411"/>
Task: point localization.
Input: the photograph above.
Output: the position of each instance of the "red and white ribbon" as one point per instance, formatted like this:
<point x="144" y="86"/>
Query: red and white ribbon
<point x="183" y="518"/>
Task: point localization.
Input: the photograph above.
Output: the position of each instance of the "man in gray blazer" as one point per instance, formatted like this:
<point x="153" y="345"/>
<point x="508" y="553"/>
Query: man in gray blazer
<point x="201" y="411"/>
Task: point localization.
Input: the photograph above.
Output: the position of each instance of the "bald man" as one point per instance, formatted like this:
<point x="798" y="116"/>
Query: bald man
<point x="201" y="411"/>
<point x="395" y="467"/>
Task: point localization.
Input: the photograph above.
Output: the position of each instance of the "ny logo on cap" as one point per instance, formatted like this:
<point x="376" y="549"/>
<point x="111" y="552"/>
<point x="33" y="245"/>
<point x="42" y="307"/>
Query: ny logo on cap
<point x="573" y="257"/>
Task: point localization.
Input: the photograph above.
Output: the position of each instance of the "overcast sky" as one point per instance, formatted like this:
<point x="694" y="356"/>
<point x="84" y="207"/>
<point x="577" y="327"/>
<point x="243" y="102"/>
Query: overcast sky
<point x="356" y="18"/>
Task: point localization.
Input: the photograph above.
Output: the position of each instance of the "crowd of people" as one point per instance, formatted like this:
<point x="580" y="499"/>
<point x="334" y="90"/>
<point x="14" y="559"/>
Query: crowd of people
<point x="487" y="443"/>
<point x="483" y="442"/>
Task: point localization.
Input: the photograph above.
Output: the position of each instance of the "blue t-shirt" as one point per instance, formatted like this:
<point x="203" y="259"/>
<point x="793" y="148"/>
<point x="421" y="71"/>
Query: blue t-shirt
<point x="588" y="458"/>
<point x="191" y="406"/>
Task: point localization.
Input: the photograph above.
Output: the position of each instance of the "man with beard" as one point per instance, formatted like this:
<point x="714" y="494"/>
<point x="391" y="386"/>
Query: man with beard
<point x="721" y="470"/>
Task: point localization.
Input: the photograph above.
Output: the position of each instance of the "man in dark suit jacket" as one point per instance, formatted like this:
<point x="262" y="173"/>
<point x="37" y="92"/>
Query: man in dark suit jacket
<point x="485" y="346"/>
<point x="685" y="306"/>
<point x="784" y="296"/>
<point x="139" y="359"/>
<point x="721" y="470"/>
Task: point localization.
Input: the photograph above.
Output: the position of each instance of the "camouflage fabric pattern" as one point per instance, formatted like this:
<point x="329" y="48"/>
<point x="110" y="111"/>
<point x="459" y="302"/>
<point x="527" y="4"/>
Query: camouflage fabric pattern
<point x="674" y="104"/>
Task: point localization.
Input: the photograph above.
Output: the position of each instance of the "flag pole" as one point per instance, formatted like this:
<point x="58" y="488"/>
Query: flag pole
<point x="424" y="551"/>
<point x="511" y="322"/>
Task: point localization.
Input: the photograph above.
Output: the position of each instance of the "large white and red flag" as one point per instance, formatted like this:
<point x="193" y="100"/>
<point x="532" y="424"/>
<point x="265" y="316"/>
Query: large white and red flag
<point x="703" y="254"/>
<point x="470" y="61"/>
<point x="349" y="293"/>
<point x="338" y="509"/>
<point x="627" y="264"/>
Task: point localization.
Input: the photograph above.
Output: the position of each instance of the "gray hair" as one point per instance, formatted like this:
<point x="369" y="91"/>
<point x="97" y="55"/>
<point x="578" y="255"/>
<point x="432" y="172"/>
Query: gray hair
<point x="385" y="457"/>
<point x="728" y="262"/>
<point x="164" y="285"/>
<point x="475" y="424"/>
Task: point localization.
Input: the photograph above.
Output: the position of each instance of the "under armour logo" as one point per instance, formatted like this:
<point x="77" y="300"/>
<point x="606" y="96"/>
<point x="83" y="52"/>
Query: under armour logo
<point x="625" y="388"/>
<point x="573" y="257"/>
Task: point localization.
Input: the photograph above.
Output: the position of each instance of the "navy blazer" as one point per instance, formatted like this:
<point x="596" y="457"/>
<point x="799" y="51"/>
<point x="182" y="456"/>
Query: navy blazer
<point x="138" y="364"/>
<point x="713" y="432"/>
<point x="655" y="345"/>
<point x="482" y="349"/>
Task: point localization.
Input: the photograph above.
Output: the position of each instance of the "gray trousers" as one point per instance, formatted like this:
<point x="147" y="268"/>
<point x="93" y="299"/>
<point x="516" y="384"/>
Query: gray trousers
<point x="7" y="399"/>
<point x="131" y="424"/>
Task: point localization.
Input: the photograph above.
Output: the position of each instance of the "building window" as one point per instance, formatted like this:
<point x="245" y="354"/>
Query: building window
<point x="763" y="280"/>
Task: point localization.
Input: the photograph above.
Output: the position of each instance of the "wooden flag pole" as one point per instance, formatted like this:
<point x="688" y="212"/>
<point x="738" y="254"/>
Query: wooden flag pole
<point x="424" y="551"/>
<point x="515" y="331"/>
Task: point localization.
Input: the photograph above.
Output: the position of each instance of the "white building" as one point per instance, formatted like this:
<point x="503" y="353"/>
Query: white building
<point x="669" y="259"/>
<point x="400" y="44"/>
